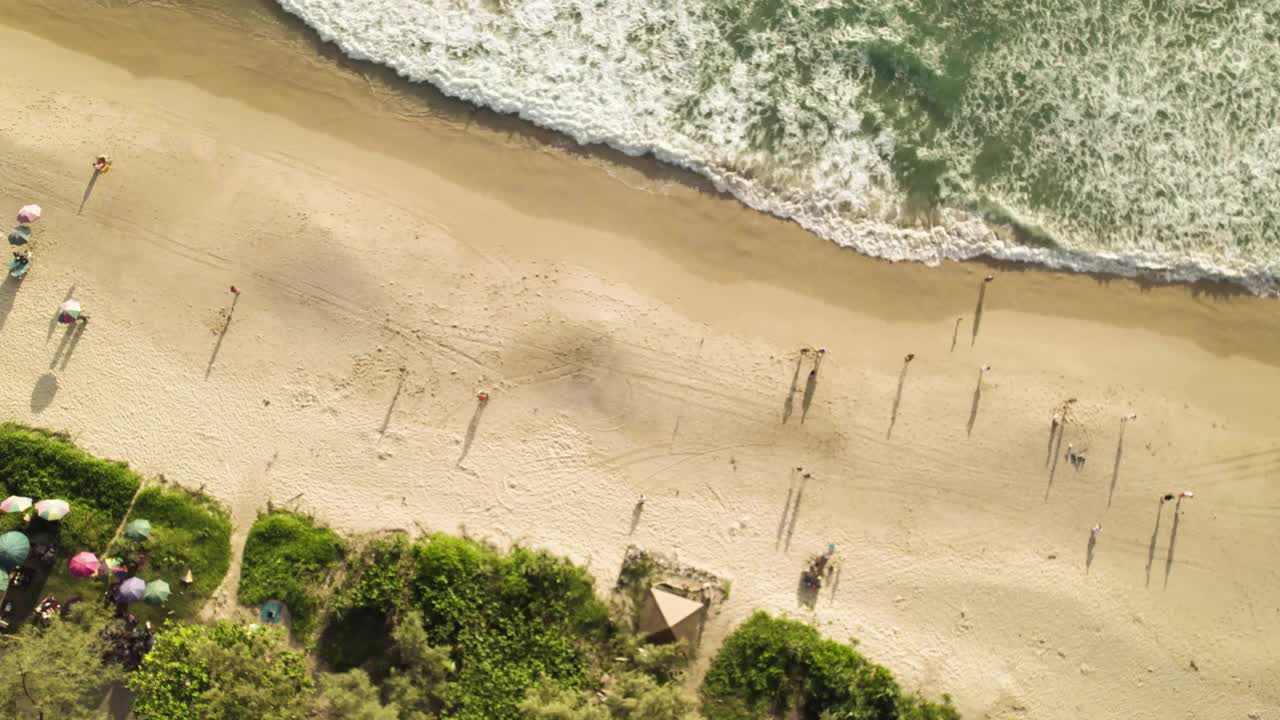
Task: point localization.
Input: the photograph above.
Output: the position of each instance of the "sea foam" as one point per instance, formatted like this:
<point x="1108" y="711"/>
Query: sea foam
<point x="1111" y="137"/>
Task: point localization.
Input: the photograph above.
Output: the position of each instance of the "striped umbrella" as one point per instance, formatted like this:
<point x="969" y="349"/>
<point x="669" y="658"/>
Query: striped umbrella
<point x="138" y="530"/>
<point x="15" y="504"/>
<point x="68" y="312"/>
<point x="131" y="590"/>
<point x="52" y="510"/>
<point x="156" y="593"/>
<point x="114" y="567"/>
<point x="84" y="565"/>
<point x="29" y="214"/>
<point x="14" y="548"/>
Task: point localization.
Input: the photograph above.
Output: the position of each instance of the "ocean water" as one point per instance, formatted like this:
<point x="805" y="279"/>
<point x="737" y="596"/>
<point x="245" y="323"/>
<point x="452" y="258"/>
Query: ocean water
<point x="1125" y="136"/>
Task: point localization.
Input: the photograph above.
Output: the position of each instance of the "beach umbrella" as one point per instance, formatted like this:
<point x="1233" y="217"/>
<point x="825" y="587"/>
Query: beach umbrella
<point x="156" y="593"/>
<point x="272" y="611"/>
<point x="68" y="312"/>
<point x="138" y="530"/>
<point x="131" y="590"/>
<point x="115" y="566"/>
<point x="14" y="547"/>
<point x="52" y="510"/>
<point x="84" y="564"/>
<point x="15" y="504"/>
<point x="21" y="235"/>
<point x="29" y="214"/>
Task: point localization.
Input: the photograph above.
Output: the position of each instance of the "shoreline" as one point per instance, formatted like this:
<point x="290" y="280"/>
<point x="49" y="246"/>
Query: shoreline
<point x="638" y="336"/>
<point x="967" y="231"/>
<point x="406" y="109"/>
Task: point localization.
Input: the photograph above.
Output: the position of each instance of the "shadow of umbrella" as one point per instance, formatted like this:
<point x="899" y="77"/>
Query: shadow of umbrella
<point x="21" y="235"/>
<point x="42" y="394"/>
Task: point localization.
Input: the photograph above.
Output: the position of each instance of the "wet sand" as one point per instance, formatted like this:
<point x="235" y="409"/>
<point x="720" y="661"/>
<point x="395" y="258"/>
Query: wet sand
<point x="638" y="333"/>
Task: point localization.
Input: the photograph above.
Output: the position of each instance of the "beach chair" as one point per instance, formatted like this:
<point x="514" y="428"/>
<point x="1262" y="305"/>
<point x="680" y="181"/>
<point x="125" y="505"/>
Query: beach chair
<point x="19" y="265"/>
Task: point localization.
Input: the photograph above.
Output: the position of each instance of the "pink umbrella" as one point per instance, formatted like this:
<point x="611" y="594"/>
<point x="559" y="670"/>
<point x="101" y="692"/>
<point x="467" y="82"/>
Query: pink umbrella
<point x="29" y="214"/>
<point x="84" y="564"/>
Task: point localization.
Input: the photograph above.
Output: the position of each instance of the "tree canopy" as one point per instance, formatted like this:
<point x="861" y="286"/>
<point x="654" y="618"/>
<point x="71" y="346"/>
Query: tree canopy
<point x="222" y="671"/>
<point x="57" y="672"/>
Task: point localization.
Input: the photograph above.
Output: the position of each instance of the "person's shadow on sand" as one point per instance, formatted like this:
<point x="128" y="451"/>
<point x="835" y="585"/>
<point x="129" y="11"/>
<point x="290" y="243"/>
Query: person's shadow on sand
<point x="68" y="345"/>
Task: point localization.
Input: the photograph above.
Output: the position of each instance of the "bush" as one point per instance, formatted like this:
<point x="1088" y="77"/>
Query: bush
<point x="773" y="667"/>
<point x="286" y="557"/>
<point x="40" y="464"/>
<point x="513" y="620"/>
<point x="189" y="532"/>
<point x="222" y="671"/>
<point x="377" y="579"/>
<point x="373" y="594"/>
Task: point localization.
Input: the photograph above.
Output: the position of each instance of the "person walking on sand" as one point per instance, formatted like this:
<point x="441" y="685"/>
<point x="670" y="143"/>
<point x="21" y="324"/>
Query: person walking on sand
<point x="909" y="357"/>
<point x="102" y="164"/>
<point x="1167" y="497"/>
<point x="1186" y="494"/>
<point x="1095" y="530"/>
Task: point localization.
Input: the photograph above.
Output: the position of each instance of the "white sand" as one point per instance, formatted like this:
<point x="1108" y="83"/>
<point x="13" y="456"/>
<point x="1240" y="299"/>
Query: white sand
<point x="637" y="341"/>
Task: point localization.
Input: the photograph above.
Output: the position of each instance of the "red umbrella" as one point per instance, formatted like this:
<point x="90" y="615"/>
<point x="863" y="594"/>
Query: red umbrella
<point x="84" y="564"/>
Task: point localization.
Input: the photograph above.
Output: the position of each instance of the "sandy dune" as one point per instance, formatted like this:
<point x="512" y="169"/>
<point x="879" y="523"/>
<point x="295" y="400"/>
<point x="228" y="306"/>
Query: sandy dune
<point x="398" y="254"/>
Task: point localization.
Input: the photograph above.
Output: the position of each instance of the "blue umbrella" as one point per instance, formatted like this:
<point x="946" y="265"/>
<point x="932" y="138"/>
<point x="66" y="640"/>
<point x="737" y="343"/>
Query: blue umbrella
<point x="272" y="611"/>
<point x="131" y="591"/>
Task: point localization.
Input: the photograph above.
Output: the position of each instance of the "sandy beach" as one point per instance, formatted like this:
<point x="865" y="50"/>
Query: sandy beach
<point x="638" y="332"/>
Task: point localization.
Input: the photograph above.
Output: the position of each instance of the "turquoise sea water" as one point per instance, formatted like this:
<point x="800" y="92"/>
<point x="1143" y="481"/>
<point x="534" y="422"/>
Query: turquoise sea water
<point x="1107" y="135"/>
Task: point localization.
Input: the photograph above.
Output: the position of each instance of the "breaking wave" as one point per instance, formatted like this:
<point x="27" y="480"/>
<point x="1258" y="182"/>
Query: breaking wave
<point x="1121" y="136"/>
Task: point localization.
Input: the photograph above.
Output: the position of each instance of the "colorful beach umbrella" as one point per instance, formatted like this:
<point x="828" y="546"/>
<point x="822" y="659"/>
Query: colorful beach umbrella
<point x="68" y="312"/>
<point x="52" y="510"/>
<point x="131" y="590"/>
<point x="14" y="548"/>
<point x="84" y="565"/>
<point x="113" y="566"/>
<point x="20" y="235"/>
<point x="29" y="214"/>
<point x="15" y="504"/>
<point x="156" y="593"/>
<point x="138" y="530"/>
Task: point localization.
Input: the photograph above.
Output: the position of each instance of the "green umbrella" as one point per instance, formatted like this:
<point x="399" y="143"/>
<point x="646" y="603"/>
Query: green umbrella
<point x="14" y="547"/>
<point x="138" y="530"/>
<point x="157" y="593"/>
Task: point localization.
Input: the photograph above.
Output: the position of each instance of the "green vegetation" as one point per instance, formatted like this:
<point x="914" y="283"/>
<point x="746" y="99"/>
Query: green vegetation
<point x="362" y="610"/>
<point x="631" y="696"/>
<point x="57" y="672"/>
<point x="288" y="557"/>
<point x="189" y="532"/>
<point x="43" y="465"/>
<point x="222" y="671"/>
<point x="513" y="620"/>
<point x="775" y="668"/>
